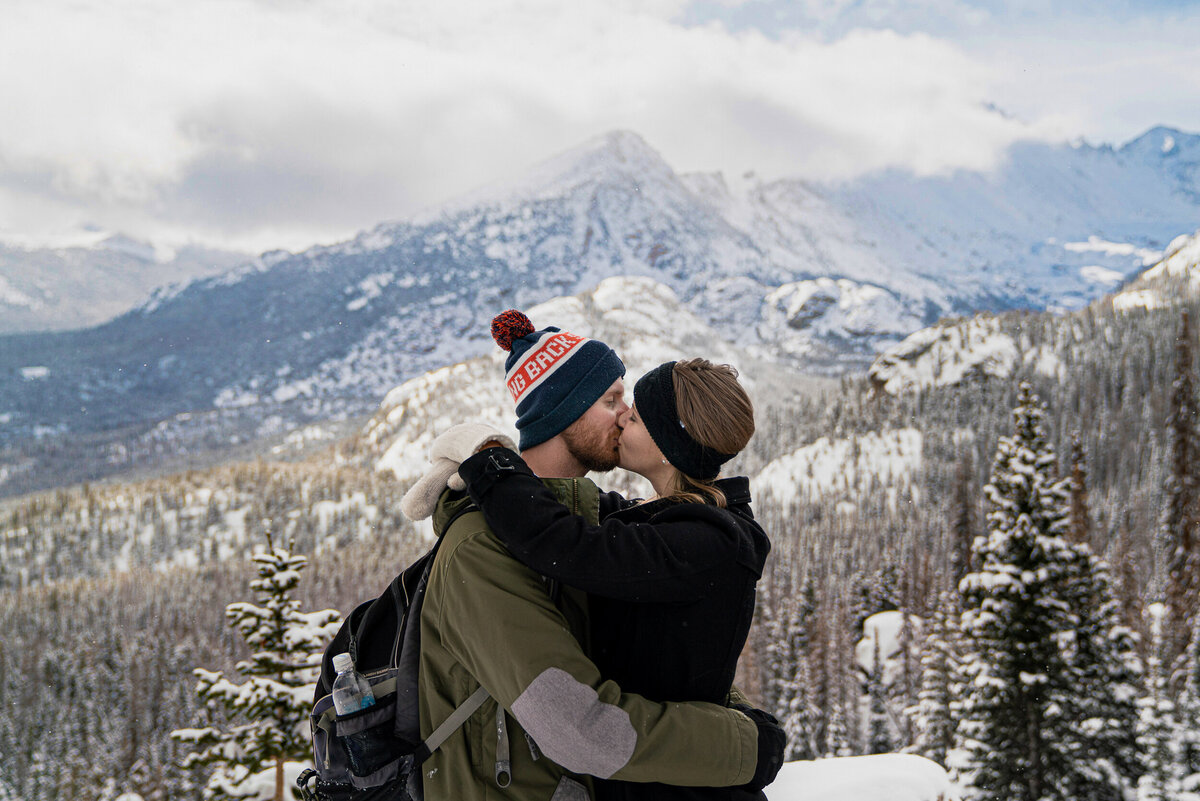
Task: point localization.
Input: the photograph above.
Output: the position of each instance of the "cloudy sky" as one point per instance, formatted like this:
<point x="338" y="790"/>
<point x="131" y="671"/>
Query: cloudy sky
<point x="255" y="124"/>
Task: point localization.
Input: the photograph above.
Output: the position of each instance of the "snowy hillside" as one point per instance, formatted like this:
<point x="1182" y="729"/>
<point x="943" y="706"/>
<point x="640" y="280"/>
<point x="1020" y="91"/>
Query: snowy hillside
<point x="843" y="468"/>
<point x="1178" y="274"/>
<point x="997" y="346"/>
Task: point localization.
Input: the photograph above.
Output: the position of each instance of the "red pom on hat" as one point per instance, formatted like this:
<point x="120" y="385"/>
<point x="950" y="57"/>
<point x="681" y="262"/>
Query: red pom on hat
<point x="510" y="325"/>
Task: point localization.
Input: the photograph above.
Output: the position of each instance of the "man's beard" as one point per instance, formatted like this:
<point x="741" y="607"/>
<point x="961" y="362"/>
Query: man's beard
<point x="594" y="449"/>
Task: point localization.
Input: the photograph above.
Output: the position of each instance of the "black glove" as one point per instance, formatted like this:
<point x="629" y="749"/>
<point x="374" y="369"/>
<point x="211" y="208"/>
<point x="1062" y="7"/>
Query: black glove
<point x="771" y="744"/>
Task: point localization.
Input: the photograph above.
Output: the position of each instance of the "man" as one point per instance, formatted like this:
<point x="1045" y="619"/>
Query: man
<point x="489" y="621"/>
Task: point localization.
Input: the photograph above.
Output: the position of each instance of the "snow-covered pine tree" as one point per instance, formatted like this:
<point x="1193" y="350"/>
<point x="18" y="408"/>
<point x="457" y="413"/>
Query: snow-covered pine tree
<point x="1107" y="676"/>
<point x="839" y="738"/>
<point x="1081" y="523"/>
<point x="800" y="724"/>
<point x="1188" y="706"/>
<point x="962" y="518"/>
<point x="1158" y="733"/>
<point x="841" y="726"/>
<point x="1032" y="655"/>
<point x="794" y="694"/>
<point x="879" y="736"/>
<point x="1182" y="512"/>
<point x="903" y="692"/>
<point x="1103" y="656"/>
<point x="932" y="715"/>
<point x="266" y="714"/>
<point x="780" y="664"/>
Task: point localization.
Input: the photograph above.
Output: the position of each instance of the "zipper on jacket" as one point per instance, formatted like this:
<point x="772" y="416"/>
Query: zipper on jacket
<point x="534" y="751"/>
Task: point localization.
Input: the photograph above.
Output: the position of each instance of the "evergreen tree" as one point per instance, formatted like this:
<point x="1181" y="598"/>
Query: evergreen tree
<point x="1033" y="653"/>
<point x="1107" y="675"/>
<point x="903" y="692"/>
<point x="794" y="690"/>
<point x="1188" y="706"/>
<point x="1081" y="524"/>
<point x="782" y="658"/>
<point x="879" y="738"/>
<point x="1103" y="655"/>
<point x="268" y="712"/>
<point x="800" y="724"/>
<point x="962" y="520"/>
<point x="839" y="740"/>
<point x="1159" y="732"/>
<point x="932" y="715"/>
<point x="1182" y="510"/>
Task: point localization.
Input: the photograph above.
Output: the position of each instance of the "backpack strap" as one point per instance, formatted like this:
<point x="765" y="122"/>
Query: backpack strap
<point x="457" y="718"/>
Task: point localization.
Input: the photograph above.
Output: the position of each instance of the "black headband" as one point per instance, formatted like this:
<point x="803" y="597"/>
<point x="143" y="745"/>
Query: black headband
<point x="654" y="397"/>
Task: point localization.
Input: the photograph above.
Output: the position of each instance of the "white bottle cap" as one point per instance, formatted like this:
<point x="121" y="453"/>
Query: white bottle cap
<point x="342" y="663"/>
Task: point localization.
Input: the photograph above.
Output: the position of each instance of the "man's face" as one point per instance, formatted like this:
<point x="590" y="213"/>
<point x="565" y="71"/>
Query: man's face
<point x="593" y="438"/>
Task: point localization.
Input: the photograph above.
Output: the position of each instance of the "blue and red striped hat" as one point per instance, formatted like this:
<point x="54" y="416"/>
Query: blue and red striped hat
<point x="552" y="375"/>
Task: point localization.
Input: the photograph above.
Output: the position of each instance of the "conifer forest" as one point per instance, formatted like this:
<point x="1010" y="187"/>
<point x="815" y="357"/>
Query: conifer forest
<point x="1038" y="566"/>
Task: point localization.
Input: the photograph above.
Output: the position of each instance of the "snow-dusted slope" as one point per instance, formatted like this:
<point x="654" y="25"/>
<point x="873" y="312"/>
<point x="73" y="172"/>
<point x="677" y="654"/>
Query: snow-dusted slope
<point x="842" y="468"/>
<point x="1176" y="276"/>
<point x="945" y="354"/>
<point x="997" y="346"/>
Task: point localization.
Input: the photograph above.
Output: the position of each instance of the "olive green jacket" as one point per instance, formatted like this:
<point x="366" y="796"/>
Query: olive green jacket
<point x="488" y="620"/>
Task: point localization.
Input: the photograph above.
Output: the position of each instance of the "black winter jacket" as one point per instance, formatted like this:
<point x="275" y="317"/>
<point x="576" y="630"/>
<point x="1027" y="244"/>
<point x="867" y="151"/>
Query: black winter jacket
<point x="670" y="585"/>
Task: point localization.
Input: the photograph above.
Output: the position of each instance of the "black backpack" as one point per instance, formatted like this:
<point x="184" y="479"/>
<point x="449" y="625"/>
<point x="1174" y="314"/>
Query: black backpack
<point x="375" y="754"/>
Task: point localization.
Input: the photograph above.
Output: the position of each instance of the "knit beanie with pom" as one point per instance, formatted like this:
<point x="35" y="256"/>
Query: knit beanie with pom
<point x="553" y="376"/>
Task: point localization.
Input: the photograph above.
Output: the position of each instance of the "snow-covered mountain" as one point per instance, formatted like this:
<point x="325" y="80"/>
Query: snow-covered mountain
<point x="90" y="278"/>
<point x="999" y="345"/>
<point x="821" y="276"/>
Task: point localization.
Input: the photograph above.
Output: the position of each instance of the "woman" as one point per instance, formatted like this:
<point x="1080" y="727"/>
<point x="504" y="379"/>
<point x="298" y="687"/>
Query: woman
<point x="671" y="579"/>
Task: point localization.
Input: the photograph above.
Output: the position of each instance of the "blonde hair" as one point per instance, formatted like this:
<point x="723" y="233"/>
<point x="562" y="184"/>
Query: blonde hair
<point x="716" y="411"/>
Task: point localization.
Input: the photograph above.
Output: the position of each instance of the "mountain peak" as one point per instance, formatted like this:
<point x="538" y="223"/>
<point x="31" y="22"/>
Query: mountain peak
<point x="1163" y="141"/>
<point x="616" y="153"/>
<point x="620" y="155"/>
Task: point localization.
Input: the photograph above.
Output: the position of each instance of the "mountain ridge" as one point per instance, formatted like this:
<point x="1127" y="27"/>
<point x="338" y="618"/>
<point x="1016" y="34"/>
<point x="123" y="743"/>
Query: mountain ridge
<point x="821" y="277"/>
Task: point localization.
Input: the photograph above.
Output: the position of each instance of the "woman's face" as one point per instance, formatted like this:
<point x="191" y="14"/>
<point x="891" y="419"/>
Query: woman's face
<point x="639" y="454"/>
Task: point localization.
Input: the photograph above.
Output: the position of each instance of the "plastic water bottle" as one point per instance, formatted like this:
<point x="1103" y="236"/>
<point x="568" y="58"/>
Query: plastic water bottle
<point x="351" y="692"/>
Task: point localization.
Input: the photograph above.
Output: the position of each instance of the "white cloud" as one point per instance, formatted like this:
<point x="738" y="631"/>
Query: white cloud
<point x="277" y="123"/>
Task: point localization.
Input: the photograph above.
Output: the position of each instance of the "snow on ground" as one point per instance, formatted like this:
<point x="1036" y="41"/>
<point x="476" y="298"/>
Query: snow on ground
<point x="882" y="777"/>
<point x="841" y="466"/>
